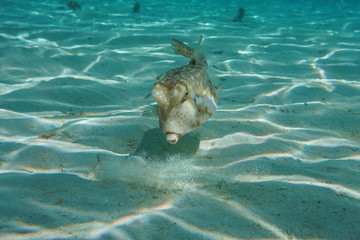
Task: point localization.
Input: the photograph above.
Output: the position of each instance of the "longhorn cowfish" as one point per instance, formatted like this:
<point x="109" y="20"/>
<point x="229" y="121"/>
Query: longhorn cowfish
<point x="185" y="95"/>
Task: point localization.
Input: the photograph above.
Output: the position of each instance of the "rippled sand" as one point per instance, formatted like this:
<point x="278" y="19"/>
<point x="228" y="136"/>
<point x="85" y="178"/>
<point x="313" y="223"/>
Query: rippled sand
<point x="81" y="154"/>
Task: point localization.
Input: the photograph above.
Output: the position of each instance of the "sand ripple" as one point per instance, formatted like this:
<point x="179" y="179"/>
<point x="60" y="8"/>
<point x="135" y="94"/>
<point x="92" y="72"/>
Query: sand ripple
<point x="81" y="156"/>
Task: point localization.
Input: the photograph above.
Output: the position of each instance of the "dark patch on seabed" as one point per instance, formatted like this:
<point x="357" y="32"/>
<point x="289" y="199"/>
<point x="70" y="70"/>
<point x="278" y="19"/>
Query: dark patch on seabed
<point x="154" y="147"/>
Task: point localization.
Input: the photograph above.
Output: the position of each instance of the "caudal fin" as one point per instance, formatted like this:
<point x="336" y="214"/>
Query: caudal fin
<point x="185" y="50"/>
<point x="182" y="48"/>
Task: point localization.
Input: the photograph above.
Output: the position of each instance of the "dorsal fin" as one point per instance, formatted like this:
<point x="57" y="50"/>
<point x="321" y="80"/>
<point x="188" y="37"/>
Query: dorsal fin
<point x="199" y="43"/>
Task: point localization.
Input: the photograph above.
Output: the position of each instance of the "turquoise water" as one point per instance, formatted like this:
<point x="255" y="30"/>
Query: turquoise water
<point x="81" y="154"/>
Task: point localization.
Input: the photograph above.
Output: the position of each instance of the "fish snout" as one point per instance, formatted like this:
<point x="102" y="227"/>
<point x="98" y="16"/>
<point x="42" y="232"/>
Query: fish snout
<point x="172" y="138"/>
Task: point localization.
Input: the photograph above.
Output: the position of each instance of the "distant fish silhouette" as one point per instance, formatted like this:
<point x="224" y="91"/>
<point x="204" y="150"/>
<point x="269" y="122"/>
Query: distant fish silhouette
<point x="136" y="7"/>
<point x="73" y="5"/>
<point x="186" y="96"/>
<point x="240" y="15"/>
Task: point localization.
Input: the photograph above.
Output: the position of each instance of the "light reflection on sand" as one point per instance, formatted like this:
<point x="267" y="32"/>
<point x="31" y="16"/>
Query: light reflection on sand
<point x="279" y="159"/>
<point x="339" y="189"/>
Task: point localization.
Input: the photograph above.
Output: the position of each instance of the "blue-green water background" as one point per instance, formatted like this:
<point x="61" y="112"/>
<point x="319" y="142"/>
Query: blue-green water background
<point x="81" y="154"/>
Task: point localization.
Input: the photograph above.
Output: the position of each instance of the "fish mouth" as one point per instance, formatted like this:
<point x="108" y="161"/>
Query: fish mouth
<point x="172" y="138"/>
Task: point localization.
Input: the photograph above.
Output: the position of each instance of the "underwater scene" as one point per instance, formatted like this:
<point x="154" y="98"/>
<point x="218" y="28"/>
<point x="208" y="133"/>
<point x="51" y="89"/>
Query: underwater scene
<point x="154" y="119"/>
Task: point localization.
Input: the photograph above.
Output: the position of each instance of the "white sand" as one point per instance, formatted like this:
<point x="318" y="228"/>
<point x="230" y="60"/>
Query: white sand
<point x="81" y="154"/>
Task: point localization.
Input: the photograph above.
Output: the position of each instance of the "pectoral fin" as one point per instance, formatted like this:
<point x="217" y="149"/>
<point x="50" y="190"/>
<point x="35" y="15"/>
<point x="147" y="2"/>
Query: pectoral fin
<point x="160" y="94"/>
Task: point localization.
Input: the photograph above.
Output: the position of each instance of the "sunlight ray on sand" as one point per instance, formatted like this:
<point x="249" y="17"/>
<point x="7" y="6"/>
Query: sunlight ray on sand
<point x="275" y="92"/>
<point x="34" y="81"/>
<point x="126" y="220"/>
<point x="29" y="83"/>
<point x="11" y="115"/>
<point x="61" y="146"/>
<point x="294" y="151"/>
<point x="88" y="67"/>
<point x="132" y="218"/>
<point x="250" y="215"/>
<point x="67" y="210"/>
<point x="38" y="42"/>
<point x="246" y="138"/>
<point x="81" y="155"/>
<point x="51" y="162"/>
<point x="269" y="106"/>
<point x="209" y="234"/>
<point x="272" y="156"/>
<point x="328" y="142"/>
<point x="82" y="173"/>
<point x="322" y="72"/>
<point x="353" y="157"/>
<point x="301" y="180"/>
<point x="230" y="140"/>
<point x="85" y="230"/>
<point x="89" y="229"/>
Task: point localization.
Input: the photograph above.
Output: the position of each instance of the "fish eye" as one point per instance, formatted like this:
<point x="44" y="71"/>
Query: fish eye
<point x="185" y="97"/>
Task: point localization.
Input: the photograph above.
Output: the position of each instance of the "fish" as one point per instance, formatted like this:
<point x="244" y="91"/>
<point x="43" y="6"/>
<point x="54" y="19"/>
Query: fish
<point x="73" y="5"/>
<point x="185" y="96"/>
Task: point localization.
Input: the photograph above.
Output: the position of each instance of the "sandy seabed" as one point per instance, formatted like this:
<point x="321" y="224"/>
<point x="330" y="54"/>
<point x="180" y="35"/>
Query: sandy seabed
<point x="81" y="154"/>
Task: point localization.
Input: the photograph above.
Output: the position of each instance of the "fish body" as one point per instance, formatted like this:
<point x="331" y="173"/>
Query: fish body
<point x="185" y="95"/>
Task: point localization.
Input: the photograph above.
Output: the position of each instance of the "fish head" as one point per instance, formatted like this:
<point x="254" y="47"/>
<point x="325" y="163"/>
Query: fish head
<point x="178" y="113"/>
<point x="179" y="120"/>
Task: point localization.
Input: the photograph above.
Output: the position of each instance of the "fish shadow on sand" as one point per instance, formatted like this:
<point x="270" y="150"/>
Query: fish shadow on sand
<point x="153" y="146"/>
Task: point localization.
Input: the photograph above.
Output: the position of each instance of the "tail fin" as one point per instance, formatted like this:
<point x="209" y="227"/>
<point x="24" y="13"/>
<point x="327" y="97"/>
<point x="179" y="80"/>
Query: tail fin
<point x="185" y="50"/>
<point x="182" y="48"/>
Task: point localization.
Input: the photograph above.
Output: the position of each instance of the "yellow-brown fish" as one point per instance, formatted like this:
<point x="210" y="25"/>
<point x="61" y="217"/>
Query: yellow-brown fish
<point x="186" y="96"/>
